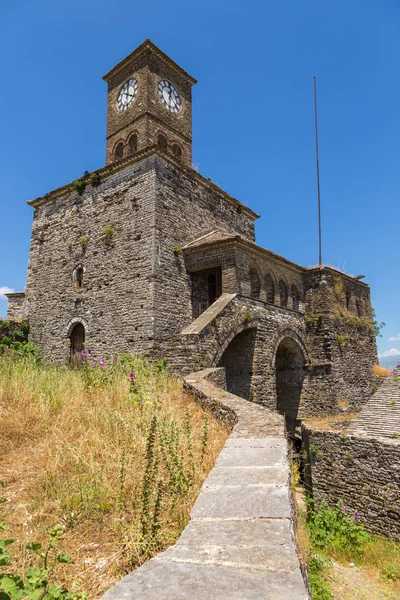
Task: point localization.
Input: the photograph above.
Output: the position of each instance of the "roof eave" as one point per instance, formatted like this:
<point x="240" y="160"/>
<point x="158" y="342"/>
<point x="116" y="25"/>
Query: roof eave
<point x="148" y="45"/>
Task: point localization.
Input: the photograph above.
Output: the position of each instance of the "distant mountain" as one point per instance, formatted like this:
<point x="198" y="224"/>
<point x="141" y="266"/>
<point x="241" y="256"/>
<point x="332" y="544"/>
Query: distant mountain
<point x="389" y="362"/>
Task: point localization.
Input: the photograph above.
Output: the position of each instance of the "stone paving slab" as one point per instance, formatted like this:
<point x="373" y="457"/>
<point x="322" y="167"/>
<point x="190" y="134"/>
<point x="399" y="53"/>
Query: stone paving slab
<point x="201" y="533"/>
<point x="165" y="580"/>
<point x="279" y="558"/>
<point x="268" y="442"/>
<point x="245" y="476"/>
<point x="274" y="455"/>
<point x="260" y="502"/>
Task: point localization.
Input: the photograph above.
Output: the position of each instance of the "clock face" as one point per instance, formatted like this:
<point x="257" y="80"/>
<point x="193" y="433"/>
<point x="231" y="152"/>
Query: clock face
<point x="169" y="96"/>
<point x="127" y="94"/>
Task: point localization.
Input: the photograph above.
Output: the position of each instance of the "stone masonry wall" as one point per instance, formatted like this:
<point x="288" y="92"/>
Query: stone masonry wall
<point x="116" y="301"/>
<point x="16" y="306"/>
<point x="340" y="337"/>
<point x="185" y="211"/>
<point x="362" y="472"/>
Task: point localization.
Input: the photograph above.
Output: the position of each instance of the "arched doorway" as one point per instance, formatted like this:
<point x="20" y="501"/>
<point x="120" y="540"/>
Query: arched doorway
<point x="238" y="363"/>
<point x="77" y="339"/>
<point x="290" y="373"/>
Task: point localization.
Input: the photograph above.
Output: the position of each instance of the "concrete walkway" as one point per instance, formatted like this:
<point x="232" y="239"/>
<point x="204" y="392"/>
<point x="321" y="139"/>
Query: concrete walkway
<point x="239" y="543"/>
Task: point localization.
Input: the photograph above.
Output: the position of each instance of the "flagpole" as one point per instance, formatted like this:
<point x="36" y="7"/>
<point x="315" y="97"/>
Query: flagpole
<point x="318" y="183"/>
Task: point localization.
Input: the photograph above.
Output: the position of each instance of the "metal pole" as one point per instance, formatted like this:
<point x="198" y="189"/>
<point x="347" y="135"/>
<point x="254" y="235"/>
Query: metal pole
<point x="317" y="159"/>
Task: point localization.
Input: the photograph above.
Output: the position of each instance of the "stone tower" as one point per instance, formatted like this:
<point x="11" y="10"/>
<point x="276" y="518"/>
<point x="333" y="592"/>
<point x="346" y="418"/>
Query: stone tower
<point x="149" y="104"/>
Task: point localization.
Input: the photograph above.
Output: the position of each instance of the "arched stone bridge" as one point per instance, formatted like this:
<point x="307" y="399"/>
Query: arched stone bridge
<point x="262" y="348"/>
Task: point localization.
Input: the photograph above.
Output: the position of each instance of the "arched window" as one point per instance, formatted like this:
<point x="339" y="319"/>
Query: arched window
<point x="283" y="294"/>
<point x="295" y="297"/>
<point x="177" y="151"/>
<point x="119" y="151"/>
<point x="78" y="278"/>
<point x="270" y="289"/>
<point x="162" y="141"/>
<point x="254" y="284"/>
<point x="133" y="142"/>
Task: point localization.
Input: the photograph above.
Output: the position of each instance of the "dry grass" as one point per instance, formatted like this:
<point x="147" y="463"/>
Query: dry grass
<point x="73" y="452"/>
<point x="332" y="422"/>
<point x="380" y="371"/>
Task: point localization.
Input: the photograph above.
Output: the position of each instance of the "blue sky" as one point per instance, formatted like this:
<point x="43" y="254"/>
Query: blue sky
<point x="252" y="121"/>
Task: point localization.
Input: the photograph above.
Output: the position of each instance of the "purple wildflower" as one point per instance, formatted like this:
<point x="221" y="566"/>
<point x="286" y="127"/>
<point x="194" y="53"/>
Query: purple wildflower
<point x="357" y="516"/>
<point x="94" y="364"/>
<point x="6" y="349"/>
<point x="115" y="359"/>
<point x="132" y="377"/>
<point x="102" y="362"/>
<point x="343" y="510"/>
<point x="84" y="353"/>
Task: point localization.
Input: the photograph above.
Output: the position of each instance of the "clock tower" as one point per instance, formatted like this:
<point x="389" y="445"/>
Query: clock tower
<point x="149" y="104"/>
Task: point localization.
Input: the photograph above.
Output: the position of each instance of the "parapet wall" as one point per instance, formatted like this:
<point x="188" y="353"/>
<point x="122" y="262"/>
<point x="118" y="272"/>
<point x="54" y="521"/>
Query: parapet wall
<point x="362" y="472"/>
<point x="239" y="543"/>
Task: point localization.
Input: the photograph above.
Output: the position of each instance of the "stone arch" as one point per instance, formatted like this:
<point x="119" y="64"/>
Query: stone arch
<point x="255" y="282"/>
<point x="71" y="324"/>
<point x="295" y="296"/>
<point x="290" y="361"/>
<point x="237" y="359"/>
<point x="283" y="293"/>
<point x="119" y="150"/>
<point x="270" y="287"/>
<point x="177" y="151"/>
<point x="162" y="140"/>
<point x="76" y="335"/>
<point x="133" y="142"/>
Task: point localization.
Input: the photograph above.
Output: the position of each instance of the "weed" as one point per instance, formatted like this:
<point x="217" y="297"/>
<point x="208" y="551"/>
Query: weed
<point x="177" y="250"/>
<point x="84" y="241"/>
<point x="108" y="231"/>
<point x="79" y="185"/>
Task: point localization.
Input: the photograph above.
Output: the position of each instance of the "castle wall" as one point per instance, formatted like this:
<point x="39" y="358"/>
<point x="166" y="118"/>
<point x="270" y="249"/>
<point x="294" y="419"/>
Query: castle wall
<point x="116" y="301"/>
<point x="186" y="210"/>
<point x="340" y="339"/>
<point x="362" y="472"/>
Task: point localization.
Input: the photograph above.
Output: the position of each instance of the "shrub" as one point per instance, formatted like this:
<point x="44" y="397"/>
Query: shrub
<point x="336" y="529"/>
<point x="6" y="340"/>
<point x="19" y="335"/>
<point x="25" y="327"/>
<point x="5" y="323"/>
<point x="79" y="185"/>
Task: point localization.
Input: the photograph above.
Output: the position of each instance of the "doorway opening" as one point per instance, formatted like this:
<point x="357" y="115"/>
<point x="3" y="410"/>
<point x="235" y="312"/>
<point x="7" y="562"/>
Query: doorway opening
<point x="77" y="339"/>
<point x="238" y="361"/>
<point x="290" y="373"/>
<point x="206" y="288"/>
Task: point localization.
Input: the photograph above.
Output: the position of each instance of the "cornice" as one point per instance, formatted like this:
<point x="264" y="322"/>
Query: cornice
<point x="148" y="113"/>
<point x="338" y="272"/>
<point x="148" y="46"/>
<point x="239" y="240"/>
<point x="119" y="165"/>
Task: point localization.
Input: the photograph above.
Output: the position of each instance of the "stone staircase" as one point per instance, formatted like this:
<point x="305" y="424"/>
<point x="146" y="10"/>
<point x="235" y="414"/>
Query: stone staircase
<point x="380" y="417"/>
